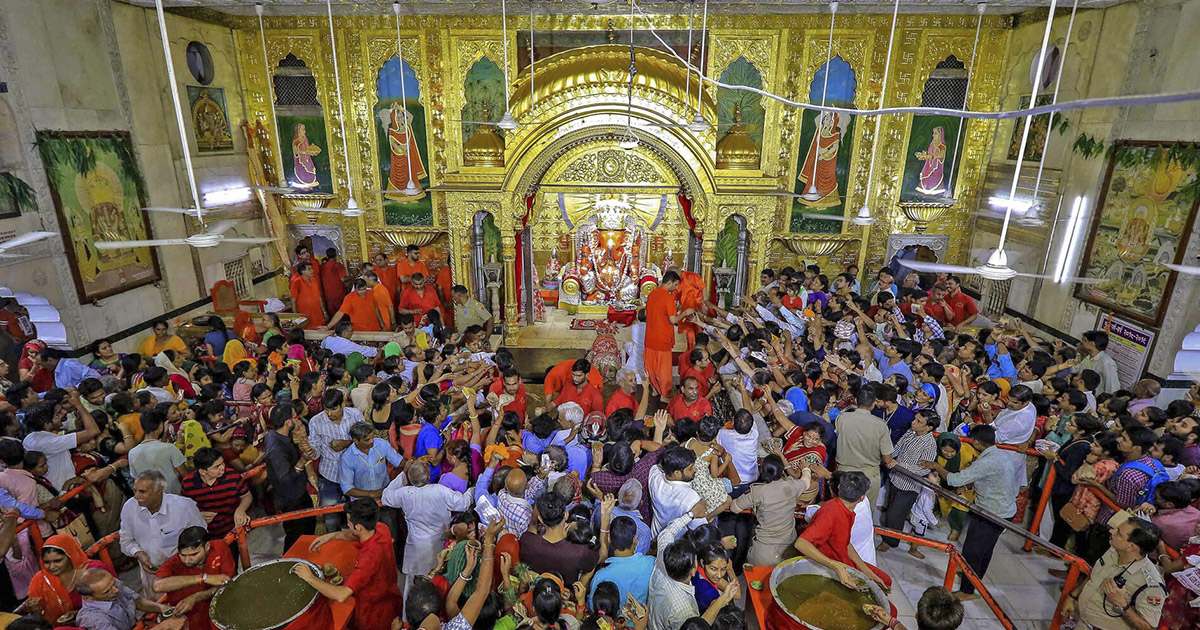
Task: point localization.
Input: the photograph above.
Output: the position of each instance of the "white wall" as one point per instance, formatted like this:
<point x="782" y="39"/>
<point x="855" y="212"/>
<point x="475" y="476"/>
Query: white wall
<point x="84" y="65"/>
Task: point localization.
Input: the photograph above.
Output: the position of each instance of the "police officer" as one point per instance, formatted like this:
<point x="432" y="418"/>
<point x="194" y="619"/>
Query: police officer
<point x="1125" y="589"/>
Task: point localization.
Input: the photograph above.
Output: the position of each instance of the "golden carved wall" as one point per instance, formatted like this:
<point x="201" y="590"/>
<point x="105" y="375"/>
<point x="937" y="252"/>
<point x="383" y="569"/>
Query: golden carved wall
<point x="576" y="103"/>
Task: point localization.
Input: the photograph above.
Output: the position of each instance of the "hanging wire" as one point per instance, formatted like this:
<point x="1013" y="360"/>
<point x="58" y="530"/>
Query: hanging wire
<point x="980" y="8"/>
<point x="262" y="40"/>
<point x="698" y="124"/>
<point x="630" y="141"/>
<point x="1134" y="100"/>
<point x="174" y="90"/>
<point x="998" y="257"/>
<point x="687" y="82"/>
<point x="532" y="102"/>
<point x="864" y="213"/>
<point x="1037" y="183"/>
<point x="812" y="194"/>
<point x="351" y="203"/>
<point x="507" y="122"/>
<point x="411" y="189"/>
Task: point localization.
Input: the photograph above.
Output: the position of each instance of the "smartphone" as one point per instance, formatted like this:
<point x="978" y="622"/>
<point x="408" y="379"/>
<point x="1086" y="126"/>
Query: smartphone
<point x="545" y="461"/>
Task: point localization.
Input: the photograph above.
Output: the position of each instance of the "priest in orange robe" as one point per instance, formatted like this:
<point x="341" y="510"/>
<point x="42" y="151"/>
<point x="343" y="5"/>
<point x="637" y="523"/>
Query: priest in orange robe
<point x="409" y="265"/>
<point x="661" y="317"/>
<point x="306" y="295"/>
<point x="419" y="298"/>
<point x="387" y="275"/>
<point x="362" y="309"/>
<point x="383" y="299"/>
<point x="691" y="298"/>
<point x="333" y="280"/>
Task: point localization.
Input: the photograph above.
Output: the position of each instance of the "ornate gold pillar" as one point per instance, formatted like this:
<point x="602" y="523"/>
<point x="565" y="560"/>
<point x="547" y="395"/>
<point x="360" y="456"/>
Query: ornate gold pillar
<point x="508" y="252"/>
<point x="708" y="255"/>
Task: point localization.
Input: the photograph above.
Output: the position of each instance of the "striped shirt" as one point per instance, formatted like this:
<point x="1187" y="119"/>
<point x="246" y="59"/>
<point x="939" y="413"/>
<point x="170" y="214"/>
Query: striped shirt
<point x="322" y="432"/>
<point x="221" y="498"/>
<point x="911" y="450"/>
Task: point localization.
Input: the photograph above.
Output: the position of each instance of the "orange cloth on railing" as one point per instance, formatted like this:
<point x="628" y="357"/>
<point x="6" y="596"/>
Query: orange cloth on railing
<point x="325" y="613"/>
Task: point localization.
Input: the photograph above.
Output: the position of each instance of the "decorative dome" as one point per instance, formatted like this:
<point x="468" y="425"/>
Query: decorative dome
<point x="737" y="150"/>
<point x="485" y="147"/>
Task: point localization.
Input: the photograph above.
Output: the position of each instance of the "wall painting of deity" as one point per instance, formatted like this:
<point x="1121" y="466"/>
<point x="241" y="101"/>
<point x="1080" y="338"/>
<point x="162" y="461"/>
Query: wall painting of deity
<point x="931" y="163"/>
<point x="300" y="118"/>
<point x="400" y="135"/>
<point x="1037" y="132"/>
<point x="1142" y="221"/>
<point x="734" y="106"/>
<point x="210" y="119"/>
<point x="98" y="194"/>
<point x="825" y="147"/>
<point x="483" y="92"/>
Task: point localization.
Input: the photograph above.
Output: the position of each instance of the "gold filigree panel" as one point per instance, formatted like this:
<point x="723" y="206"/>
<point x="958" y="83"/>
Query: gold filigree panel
<point x="763" y="51"/>
<point x="610" y="166"/>
<point x="463" y="50"/>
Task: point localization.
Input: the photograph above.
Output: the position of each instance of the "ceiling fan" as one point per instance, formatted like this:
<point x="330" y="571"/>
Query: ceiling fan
<point x="213" y="236"/>
<point x="24" y="239"/>
<point x="996" y="268"/>
<point x="1186" y="270"/>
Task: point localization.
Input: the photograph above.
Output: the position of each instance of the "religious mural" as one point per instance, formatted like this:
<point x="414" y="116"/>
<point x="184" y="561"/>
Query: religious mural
<point x="748" y="105"/>
<point x="483" y="88"/>
<point x="931" y="162"/>
<point x="300" y="119"/>
<point x="1143" y="217"/>
<point x="210" y="119"/>
<point x="98" y="193"/>
<point x="16" y="196"/>
<point x="400" y="135"/>
<point x="826" y="142"/>
<point x="1040" y="126"/>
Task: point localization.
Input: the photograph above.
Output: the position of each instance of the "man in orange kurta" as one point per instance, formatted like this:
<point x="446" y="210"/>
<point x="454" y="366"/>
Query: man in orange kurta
<point x="362" y="309"/>
<point x="409" y="265"/>
<point x="333" y="281"/>
<point x="306" y="295"/>
<point x="661" y="318"/>
<point x="559" y="376"/>
<point x="419" y="298"/>
<point x="691" y="298"/>
<point x="387" y="275"/>
<point x="383" y="299"/>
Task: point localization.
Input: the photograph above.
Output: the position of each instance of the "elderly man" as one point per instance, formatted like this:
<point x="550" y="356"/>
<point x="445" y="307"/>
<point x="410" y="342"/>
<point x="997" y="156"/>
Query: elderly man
<point x="110" y="605"/>
<point x="427" y="509"/>
<point x="1125" y="588"/>
<point x="190" y="578"/>
<point x="151" y="522"/>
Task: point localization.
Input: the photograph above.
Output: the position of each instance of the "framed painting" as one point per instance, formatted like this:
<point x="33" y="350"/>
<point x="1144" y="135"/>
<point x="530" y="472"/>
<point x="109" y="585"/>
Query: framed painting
<point x="823" y="161"/>
<point x="400" y="135"/>
<point x="99" y="194"/>
<point x="210" y="119"/>
<point x="1143" y="218"/>
<point x="931" y="162"/>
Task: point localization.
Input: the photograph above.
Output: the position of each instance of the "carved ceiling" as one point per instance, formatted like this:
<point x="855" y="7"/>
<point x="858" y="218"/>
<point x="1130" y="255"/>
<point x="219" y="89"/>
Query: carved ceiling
<point x="607" y="7"/>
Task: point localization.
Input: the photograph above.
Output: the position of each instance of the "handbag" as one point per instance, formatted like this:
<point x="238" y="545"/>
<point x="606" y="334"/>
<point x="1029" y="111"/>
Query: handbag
<point x="1071" y="515"/>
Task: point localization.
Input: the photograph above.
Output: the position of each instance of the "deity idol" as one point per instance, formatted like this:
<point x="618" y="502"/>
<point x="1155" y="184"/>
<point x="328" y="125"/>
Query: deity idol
<point x="304" y="170"/>
<point x="933" y="171"/>
<point x="403" y="147"/>
<point x="824" y="151"/>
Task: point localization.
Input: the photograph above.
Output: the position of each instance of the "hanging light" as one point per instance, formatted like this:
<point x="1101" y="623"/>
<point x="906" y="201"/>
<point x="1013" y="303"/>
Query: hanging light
<point x="864" y="213"/>
<point x="507" y="122"/>
<point x="812" y="194"/>
<point x="411" y="189"/>
<point x="352" y="209"/>
<point x="1033" y="218"/>
<point x="698" y="124"/>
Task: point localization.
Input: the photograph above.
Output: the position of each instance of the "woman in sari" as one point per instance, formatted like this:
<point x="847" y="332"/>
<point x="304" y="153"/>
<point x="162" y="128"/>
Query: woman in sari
<point x="106" y="360"/>
<point x="52" y="590"/>
<point x="304" y="169"/>
<point x="955" y="456"/>
<point x="933" y="167"/>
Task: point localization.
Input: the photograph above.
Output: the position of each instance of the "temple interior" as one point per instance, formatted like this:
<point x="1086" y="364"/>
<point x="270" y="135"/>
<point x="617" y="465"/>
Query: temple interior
<point x="167" y="160"/>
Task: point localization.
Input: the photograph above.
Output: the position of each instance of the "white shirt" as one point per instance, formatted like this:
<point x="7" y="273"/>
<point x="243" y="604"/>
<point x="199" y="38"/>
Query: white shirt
<point x="671" y="499"/>
<point x="634" y="347"/>
<point x="157" y="534"/>
<point x="161" y="394"/>
<point x="427" y="511"/>
<point x="341" y="345"/>
<point x="670" y="603"/>
<point x="1015" y="427"/>
<point x="744" y="451"/>
<point x="57" y="449"/>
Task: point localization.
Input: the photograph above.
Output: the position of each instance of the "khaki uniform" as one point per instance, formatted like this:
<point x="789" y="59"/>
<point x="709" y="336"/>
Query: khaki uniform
<point x="1143" y="583"/>
<point x="472" y="313"/>
<point x="863" y="440"/>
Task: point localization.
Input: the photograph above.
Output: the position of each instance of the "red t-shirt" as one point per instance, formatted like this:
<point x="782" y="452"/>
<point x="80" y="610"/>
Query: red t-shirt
<point x="519" y="403"/>
<point x="680" y="409"/>
<point x="425" y="301"/>
<point x="963" y="305"/>
<point x="702" y="376"/>
<point x="377" y="596"/>
<point x="219" y="562"/>
<point x="660" y="307"/>
<point x="619" y="400"/>
<point x="587" y="397"/>
<point x="43" y="379"/>
<point x="560" y="375"/>
<point x="829" y="530"/>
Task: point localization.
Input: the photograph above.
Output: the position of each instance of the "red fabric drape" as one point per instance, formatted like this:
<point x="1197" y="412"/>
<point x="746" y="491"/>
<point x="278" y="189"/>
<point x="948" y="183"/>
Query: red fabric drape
<point x="519" y="263"/>
<point x="685" y="203"/>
